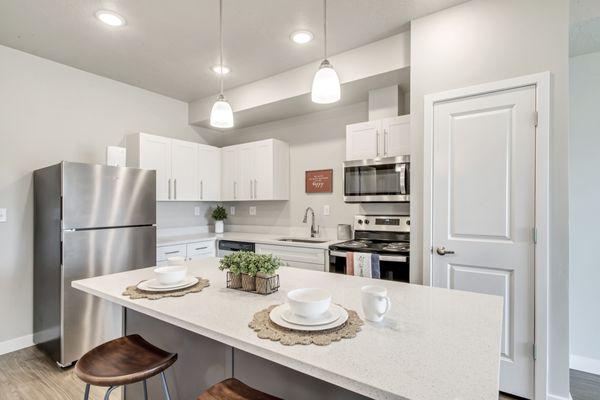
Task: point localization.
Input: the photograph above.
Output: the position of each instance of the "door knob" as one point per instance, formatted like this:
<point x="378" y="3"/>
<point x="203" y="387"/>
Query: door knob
<point x="442" y="251"/>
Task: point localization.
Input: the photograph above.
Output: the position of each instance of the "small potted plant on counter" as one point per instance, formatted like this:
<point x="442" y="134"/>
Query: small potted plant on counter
<point x="232" y="263"/>
<point x="219" y="214"/>
<point x="266" y="277"/>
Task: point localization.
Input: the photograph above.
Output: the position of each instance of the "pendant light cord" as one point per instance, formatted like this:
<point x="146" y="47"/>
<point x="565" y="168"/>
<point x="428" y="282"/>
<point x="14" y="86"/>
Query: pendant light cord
<point x="221" y="41"/>
<point x="325" y="28"/>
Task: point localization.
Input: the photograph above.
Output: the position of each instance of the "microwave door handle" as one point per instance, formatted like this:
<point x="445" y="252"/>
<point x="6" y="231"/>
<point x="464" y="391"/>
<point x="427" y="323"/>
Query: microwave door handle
<point x="402" y="178"/>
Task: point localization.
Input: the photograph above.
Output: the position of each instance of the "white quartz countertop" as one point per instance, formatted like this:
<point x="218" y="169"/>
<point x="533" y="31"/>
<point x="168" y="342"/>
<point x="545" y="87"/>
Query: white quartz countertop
<point x="433" y="344"/>
<point x="262" y="238"/>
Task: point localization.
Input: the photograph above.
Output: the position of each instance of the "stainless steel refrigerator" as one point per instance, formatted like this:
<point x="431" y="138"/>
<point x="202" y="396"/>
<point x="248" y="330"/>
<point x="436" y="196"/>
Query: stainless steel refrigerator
<point x="89" y="220"/>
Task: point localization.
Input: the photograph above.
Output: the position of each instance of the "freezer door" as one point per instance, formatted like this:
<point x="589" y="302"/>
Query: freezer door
<point x="86" y="320"/>
<point x="98" y="196"/>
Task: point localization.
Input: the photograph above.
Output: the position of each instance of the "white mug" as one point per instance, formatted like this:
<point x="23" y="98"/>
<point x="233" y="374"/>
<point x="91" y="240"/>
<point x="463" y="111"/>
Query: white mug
<point x="375" y="302"/>
<point x="175" y="260"/>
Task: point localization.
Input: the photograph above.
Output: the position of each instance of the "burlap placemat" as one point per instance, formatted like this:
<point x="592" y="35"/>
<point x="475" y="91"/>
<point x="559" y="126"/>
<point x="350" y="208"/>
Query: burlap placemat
<point x="267" y="329"/>
<point x="134" y="293"/>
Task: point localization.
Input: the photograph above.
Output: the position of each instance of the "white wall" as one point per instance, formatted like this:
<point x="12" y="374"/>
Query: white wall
<point x="51" y="112"/>
<point x="317" y="141"/>
<point x="584" y="204"/>
<point x="487" y="40"/>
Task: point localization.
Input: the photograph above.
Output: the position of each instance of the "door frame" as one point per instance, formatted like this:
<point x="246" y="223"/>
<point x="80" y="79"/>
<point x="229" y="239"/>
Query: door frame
<point x="541" y="82"/>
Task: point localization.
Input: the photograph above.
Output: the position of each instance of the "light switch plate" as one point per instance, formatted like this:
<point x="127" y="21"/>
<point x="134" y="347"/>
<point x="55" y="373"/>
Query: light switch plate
<point x="252" y="210"/>
<point x="325" y="210"/>
<point x="197" y="211"/>
<point x="3" y="215"/>
<point x="232" y="210"/>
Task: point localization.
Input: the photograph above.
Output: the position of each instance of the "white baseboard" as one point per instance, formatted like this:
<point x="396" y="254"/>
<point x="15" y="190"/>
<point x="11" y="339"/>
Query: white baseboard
<point x="584" y="364"/>
<point x="15" y="344"/>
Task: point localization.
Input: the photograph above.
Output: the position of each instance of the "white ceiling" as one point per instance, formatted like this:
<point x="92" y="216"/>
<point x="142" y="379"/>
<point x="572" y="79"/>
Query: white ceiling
<point x="168" y="46"/>
<point x="585" y="27"/>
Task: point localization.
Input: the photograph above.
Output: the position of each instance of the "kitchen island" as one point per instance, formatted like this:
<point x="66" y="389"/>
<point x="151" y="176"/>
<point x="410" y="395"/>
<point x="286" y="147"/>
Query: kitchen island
<point x="433" y="344"/>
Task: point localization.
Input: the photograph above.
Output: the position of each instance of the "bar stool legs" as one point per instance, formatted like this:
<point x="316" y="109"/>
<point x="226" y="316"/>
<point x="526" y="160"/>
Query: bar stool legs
<point x="109" y="391"/>
<point x="165" y="387"/>
<point x="86" y="396"/>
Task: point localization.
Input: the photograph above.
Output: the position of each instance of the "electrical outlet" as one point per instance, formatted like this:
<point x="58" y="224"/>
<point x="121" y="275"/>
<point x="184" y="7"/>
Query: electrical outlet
<point x="197" y="211"/>
<point x="3" y="216"/>
<point x="325" y="210"/>
<point x="252" y="210"/>
<point x="232" y="210"/>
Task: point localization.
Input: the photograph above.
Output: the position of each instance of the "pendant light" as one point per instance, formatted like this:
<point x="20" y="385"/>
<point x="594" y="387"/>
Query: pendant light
<point x="326" y="84"/>
<point x="221" y="115"/>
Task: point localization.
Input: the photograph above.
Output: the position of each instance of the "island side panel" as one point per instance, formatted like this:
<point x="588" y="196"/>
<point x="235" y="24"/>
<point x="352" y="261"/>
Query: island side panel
<point x="284" y="382"/>
<point x="201" y="362"/>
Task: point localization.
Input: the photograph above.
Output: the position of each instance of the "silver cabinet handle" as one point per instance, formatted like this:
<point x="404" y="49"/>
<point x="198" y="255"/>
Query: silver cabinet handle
<point x="385" y="142"/>
<point x="201" y="248"/>
<point x="172" y="252"/>
<point x="442" y="251"/>
<point x="251" y="189"/>
<point x="201" y="189"/>
<point x="169" y="188"/>
<point x="234" y="190"/>
<point x="377" y="137"/>
<point x="255" y="190"/>
<point x="175" y="188"/>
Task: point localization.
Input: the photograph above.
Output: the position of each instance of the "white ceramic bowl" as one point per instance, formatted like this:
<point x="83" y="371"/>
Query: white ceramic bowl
<point x="175" y="260"/>
<point x="171" y="274"/>
<point x="309" y="302"/>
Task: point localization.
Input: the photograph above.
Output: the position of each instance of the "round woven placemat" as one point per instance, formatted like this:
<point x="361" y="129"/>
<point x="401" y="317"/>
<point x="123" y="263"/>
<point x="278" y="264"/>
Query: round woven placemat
<point x="267" y="329"/>
<point x="134" y="293"/>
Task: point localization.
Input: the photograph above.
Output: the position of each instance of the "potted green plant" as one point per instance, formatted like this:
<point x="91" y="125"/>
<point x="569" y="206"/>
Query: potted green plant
<point x="219" y="214"/>
<point x="267" y="268"/>
<point x="232" y="263"/>
<point x="249" y="268"/>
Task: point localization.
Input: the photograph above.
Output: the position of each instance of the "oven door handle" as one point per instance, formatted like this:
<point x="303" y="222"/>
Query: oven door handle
<point x="381" y="258"/>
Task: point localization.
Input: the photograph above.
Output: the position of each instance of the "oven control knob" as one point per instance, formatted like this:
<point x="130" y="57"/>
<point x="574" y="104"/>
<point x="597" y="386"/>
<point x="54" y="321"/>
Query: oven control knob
<point x="408" y="222"/>
<point x="367" y="221"/>
<point x="360" y="221"/>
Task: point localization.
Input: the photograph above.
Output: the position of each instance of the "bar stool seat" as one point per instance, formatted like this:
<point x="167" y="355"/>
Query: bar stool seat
<point x="232" y="389"/>
<point x="123" y="361"/>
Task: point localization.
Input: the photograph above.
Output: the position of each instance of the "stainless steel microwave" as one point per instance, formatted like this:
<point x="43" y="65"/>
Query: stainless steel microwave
<point x="380" y="180"/>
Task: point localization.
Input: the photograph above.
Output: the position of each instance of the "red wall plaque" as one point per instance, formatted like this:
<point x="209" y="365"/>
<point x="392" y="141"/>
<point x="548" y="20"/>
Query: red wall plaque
<point x="319" y="181"/>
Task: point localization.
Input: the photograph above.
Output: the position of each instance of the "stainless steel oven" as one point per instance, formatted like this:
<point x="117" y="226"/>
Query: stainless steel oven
<point x="380" y="180"/>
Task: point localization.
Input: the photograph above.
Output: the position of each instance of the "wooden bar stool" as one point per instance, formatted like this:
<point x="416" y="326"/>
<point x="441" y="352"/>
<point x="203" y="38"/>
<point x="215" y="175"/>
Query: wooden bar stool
<point x="122" y="361"/>
<point x="232" y="389"/>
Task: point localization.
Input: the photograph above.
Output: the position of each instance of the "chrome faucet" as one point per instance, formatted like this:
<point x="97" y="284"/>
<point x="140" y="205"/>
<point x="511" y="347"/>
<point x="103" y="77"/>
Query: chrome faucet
<point x="314" y="229"/>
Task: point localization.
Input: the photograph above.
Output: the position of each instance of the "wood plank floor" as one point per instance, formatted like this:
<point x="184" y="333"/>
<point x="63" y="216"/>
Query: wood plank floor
<point x="29" y="375"/>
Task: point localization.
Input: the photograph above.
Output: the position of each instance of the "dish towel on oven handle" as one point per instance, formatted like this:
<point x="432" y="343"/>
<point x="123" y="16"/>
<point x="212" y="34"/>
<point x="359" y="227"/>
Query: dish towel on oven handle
<point x="366" y="265"/>
<point x="349" y="263"/>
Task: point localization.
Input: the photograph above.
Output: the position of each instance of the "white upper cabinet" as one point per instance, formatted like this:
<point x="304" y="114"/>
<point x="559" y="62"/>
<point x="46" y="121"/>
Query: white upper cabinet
<point x="256" y="171"/>
<point x="387" y="137"/>
<point x="184" y="170"/>
<point x="209" y="173"/>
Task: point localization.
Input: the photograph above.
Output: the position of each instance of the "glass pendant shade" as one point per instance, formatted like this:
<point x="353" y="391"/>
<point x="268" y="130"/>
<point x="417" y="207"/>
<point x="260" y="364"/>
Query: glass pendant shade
<point x="326" y="85"/>
<point x="221" y="115"/>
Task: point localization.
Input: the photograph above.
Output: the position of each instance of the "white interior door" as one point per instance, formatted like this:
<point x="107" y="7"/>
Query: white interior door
<point x="155" y="153"/>
<point x="483" y="212"/>
<point x="184" y="170"/>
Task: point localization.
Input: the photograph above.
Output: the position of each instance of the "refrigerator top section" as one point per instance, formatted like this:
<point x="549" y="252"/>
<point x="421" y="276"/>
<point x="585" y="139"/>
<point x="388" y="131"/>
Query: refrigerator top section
<point x="100" y="196"/>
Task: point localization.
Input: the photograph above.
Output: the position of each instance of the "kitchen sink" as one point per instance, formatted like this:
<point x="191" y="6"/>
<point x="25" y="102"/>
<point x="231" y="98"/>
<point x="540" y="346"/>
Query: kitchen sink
<point x="302" y="240"/>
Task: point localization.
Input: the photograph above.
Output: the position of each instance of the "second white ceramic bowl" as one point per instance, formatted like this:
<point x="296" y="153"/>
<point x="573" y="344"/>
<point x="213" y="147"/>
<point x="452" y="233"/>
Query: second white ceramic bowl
<point x="171" y="274"/>
<point x="309" y="302"/>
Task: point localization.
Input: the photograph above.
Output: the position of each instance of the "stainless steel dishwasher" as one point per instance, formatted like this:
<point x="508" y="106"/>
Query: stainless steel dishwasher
<point x="229" y="246"/>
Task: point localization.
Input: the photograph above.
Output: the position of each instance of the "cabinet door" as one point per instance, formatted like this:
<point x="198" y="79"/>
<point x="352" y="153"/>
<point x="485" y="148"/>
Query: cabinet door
<point x="209" y="172"/>
<point x="184" y="170"/>
<point x="262" y="184"/>
<point x="229" y="163"/>
<point x="155" y="153"/>
<point x="363" y="140"/>
<point x="246" y="171"/>
<point x="396" y="136"/>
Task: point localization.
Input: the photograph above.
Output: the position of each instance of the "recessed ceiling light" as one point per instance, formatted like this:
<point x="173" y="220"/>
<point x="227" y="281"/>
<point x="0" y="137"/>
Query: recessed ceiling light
<point x="301" y="37"/>
<point x="217" y="69"/>
<point x="110" y="18"/>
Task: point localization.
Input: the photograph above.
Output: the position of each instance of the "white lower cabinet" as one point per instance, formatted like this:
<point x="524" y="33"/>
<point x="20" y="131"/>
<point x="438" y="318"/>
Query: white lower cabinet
<point x="194" y="250"/>
<point x="297" y="257"/>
